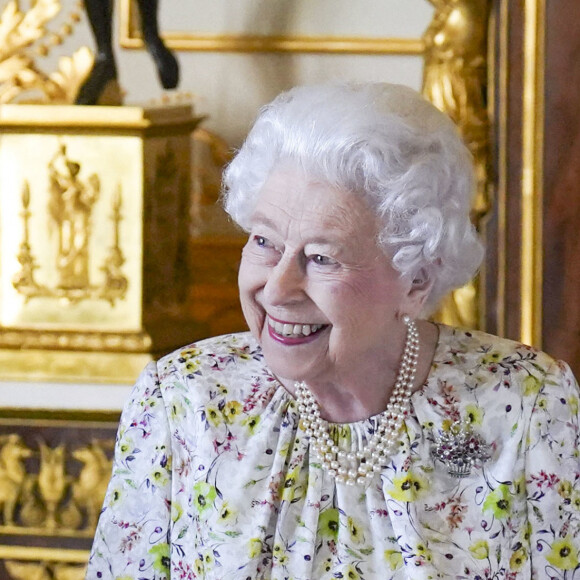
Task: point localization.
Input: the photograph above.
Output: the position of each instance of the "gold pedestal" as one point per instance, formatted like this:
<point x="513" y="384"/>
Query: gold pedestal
<point x="94" y="239"/>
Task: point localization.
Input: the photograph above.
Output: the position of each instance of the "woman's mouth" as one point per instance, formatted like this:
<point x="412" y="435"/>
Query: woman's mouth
<point x="292" y="330"/>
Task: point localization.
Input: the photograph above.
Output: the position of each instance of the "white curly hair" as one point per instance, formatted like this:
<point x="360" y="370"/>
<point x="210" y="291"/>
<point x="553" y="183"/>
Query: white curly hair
<point x="386" y="143"/>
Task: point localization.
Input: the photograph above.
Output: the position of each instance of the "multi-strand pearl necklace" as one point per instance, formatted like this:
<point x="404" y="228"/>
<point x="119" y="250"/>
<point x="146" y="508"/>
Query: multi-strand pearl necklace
<point x="359" y="467"/>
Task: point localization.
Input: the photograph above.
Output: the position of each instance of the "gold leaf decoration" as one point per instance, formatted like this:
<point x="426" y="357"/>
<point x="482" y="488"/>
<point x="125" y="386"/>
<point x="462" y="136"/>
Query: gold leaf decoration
<point x="19" y="30"/>
<point x="72" y="71"/>
<point x="21" y="80"/>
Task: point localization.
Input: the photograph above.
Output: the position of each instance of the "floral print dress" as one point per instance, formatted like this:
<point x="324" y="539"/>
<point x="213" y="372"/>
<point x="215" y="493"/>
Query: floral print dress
<point x="213" y="477"/>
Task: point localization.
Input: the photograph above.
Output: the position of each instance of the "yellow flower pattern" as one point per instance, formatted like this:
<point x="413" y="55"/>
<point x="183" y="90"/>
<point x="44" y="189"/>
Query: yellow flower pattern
<point x="480" y="550"/>
<point x="564" y="553"/>
<point x="409" y="487"/>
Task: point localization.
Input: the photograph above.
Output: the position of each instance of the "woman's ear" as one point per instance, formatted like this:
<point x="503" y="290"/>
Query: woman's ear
<point x="419" y="290"/>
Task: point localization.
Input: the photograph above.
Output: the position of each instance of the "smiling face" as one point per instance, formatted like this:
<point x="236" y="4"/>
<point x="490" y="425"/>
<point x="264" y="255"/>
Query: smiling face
<point x="318" y="294"/>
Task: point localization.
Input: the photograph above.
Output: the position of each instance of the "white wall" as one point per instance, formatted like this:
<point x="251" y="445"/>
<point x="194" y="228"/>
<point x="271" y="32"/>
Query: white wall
<point x="230" y="87"/>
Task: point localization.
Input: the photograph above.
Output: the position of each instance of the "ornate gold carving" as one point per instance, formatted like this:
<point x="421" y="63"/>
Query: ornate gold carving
<point x="116" y="283"/>
<point x="89" y="490"/>
<point x="62" y="497"/>
<point x="57" y="465"/>
<point x="12" y="474"/>
<point x="23" y="37"/>
<point x="455" y="80"/>
<point x="23" y="281"/>
<point x="69" y="208"/>
<point x="75" y="340"/>
<point x="136" y="304"/>
<point x="52" y="482"/>
<point x="44" y="571"/>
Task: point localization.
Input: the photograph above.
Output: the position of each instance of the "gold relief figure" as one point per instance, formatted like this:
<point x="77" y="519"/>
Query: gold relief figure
<point x="52" y="482"/>
<point x="70" y="206"/>
<point x="455" y="81"/>
<point x="90" y="487"/>
<point x="55" y="497"/>
<point x="12" y="474"/>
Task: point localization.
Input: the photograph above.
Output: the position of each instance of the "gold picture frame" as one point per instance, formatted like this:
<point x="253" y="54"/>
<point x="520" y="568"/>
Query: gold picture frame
<point x="130" y="37"/>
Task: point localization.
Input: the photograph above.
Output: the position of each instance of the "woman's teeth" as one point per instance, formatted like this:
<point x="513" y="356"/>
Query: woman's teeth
<point x="294" y="330"/>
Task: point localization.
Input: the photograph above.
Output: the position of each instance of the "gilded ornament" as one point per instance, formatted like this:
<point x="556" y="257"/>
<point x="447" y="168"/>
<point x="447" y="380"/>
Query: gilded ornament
<point x="52" y="482"/>
<point x="87" y="341"/>
<point x="12" y="474"/>
<point x="23" y="37"/>
<point x="89" y="294"/>
<point x="89" y="489"/>
<point x="60" y="493"/>
<point x="455" y="81"/>
<point x="70" y="207"/>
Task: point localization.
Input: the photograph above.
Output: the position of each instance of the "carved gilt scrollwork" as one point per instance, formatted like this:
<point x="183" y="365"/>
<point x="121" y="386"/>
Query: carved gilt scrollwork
<point x="455" y="80"/>
<point x="70" y="208"/>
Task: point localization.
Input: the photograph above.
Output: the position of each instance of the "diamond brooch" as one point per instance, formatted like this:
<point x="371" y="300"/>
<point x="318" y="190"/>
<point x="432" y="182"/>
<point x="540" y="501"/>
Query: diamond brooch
<point x="460" y="449"/>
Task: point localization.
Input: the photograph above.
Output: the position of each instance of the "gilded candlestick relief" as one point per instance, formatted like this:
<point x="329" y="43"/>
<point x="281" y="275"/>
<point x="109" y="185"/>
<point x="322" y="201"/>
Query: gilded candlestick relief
<point x="67" y="220"/>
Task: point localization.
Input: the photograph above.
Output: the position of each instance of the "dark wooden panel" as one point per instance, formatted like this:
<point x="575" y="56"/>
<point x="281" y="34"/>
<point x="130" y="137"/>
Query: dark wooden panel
<point x="503" y="272"/>
<point x="561" y="304"/>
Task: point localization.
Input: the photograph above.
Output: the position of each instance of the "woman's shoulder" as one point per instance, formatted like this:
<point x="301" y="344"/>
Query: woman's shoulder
<point x="476" y="374"/>
<point x="215" y="354"/>
<point x="476" y="360"/>
<point x="479" y="348"/>
<point x="230" y="367"/>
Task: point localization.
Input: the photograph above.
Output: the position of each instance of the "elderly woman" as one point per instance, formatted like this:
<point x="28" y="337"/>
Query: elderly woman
<point x="345" y="436"/>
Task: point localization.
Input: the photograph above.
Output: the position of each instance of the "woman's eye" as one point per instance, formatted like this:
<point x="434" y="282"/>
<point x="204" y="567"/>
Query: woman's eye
<point x="261" y="241"/>
<point x="321" y="260"/>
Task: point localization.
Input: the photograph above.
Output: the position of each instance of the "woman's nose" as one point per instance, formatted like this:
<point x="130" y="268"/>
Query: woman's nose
<point x="285" y="282"/>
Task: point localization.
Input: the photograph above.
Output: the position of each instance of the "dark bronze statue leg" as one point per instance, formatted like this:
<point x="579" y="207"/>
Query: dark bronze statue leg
<point x="165" y="61"/>
<point x="100" y="13"/>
